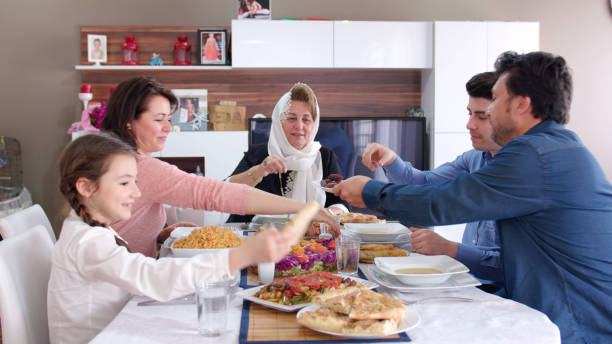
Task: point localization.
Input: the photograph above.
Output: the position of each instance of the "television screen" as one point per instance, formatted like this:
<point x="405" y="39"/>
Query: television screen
<point x="348" y="137"/>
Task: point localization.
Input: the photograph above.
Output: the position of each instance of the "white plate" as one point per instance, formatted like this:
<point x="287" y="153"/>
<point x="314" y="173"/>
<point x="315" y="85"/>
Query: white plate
<point x="181" y="232"/>
<point x="249" y="294"/>
<point x="369" y="232"/>
<point x="446" y="264"/>
<point x="462" y="280"/>
<point x="318" y="184"/>
<point x="409" y="322"/>
<point x="190" y="252"/>
<point x="265" y="219"/>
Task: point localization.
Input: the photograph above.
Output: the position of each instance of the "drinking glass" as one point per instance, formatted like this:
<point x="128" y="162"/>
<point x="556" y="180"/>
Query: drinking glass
<point x="212" y="301"/>
<point x="347" y="254"/>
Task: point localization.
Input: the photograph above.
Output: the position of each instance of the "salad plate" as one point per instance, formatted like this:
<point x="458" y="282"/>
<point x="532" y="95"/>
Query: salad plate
<point x="249" y="294"/>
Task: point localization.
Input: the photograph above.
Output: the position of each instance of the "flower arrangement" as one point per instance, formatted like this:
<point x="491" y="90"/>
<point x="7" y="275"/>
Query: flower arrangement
<point x="308" y="256"/>
<point x="90" y="119"/>
<point x="97" y="114"/>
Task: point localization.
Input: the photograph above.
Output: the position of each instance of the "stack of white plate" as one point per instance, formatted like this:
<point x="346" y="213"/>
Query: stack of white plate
<point x="418" y="272"/>
<point x="379" y="232"/>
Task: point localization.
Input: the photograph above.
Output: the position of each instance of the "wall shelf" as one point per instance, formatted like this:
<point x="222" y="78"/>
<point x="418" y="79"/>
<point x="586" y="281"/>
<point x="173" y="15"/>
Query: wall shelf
<point x="142" y="67"/>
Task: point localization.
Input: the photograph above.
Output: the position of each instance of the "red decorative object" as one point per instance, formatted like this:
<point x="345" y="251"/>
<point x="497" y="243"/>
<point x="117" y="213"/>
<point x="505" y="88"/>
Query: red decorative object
<point x="111" y="89"/>
<point x="182" y="51"/>
<point x="85" y="88"/>
<point x="129" y="51"/>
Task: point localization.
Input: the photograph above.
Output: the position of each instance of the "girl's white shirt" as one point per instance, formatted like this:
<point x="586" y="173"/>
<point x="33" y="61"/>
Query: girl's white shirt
<point x="92" y="278"/>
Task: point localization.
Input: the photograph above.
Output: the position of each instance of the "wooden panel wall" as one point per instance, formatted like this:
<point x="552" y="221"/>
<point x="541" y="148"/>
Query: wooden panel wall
<point x="341" y="92"/>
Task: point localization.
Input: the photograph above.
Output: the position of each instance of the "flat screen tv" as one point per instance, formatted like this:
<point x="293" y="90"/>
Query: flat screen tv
<point x="348" y="137"/>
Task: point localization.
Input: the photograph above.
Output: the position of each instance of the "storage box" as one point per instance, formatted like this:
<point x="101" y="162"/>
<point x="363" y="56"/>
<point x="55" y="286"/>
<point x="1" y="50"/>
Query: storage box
<point x="227" y="118"/>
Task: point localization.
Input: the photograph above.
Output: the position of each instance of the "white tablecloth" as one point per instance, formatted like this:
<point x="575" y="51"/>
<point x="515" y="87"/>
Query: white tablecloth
<point x="487" y="319"/>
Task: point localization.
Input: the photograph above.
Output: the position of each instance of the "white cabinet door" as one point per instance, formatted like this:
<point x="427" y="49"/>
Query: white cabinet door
<point x="282" y="44"/>
<point x="382" y="44"/>
<point x="460" y="52"/>
<point x="448" y="146"/>
<point x="522" y="37"/>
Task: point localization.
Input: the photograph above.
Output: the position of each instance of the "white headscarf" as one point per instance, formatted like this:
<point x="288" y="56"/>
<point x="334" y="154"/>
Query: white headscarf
<point x="306" y="162"/>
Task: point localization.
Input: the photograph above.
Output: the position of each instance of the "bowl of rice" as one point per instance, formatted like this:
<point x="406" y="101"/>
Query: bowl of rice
<point x="204" y="239"/>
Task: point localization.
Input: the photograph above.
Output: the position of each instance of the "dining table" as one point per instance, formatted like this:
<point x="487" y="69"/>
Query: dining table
<point x="463" y="314"/>
<point x="486" y="318"/>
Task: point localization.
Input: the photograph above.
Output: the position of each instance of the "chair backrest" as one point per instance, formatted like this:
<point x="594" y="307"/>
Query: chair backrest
<point x="22" y="220"/>
<point x="25" y="267"/>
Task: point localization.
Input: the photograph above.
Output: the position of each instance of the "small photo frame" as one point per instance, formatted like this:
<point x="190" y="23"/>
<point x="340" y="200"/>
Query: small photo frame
<point x="96" y="49"/>
<point x="191" y="113"/>
<point x="213" y="46"/>
<point x="254" y="9"/>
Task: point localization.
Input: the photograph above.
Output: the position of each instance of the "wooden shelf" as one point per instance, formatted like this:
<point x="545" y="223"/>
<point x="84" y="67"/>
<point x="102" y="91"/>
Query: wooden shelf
<point x="142" y="67"/>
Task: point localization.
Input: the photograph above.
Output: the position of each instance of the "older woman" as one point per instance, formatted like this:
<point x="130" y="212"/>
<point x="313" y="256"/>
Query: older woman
<point x="139" y="113"/>
<point x="292" y="159"/>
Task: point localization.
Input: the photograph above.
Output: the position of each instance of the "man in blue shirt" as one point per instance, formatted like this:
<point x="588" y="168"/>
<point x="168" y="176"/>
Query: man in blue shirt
<point x="550" y="197"/>
<point x="479" y="249"/>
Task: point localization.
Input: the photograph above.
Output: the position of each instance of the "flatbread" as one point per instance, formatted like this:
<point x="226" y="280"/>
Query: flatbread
<point x="368" y="252"/>
<point x="339" y="300"/>
<point x="324" y="319"/>
<point x="372" y="305"/>
<point x="301" y="221"/>
<point x="355" y="310"/>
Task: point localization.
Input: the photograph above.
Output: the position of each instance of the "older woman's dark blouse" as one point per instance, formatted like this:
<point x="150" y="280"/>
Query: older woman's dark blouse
<point x="272" y="183"/>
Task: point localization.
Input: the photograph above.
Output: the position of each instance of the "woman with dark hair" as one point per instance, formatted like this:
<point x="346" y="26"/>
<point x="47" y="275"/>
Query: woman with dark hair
<point x="139" y="113"/>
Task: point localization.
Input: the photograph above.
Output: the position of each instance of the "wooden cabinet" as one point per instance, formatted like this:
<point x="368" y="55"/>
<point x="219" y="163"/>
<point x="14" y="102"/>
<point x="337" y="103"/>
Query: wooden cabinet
<point x="360" y="44"/>
<point x="282" y="44"/>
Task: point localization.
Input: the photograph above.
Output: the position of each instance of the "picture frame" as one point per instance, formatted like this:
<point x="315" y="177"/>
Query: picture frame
<point x="254" y="9"/>
<point x="97" y="51"/>
<point x="212" y="45"/>
<point x="191" y="113"/>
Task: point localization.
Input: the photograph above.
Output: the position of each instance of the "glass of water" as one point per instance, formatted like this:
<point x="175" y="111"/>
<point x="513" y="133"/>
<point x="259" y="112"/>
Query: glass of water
<point x="212" y="301"/>
<point x="347" y="254"/>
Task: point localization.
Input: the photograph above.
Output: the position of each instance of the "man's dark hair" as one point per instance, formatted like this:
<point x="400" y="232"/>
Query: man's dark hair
<point x="541" y="76"/>
<point x="128" y="101"/>
<point x="480" y="85"/>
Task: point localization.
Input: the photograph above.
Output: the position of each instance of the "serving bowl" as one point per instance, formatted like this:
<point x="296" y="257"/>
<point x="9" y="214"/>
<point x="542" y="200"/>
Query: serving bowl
<point x="417" y="269"/>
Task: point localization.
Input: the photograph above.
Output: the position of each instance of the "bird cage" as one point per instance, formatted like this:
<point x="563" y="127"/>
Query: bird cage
<point x="11" y="172"/>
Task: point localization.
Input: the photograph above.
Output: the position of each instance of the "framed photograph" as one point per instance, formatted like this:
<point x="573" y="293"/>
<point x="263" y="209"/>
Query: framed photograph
<point x="213" y="46"/>
<point x="192" y="110"/>
<point x="254" y="9"/>
<point x="96" y="49"/>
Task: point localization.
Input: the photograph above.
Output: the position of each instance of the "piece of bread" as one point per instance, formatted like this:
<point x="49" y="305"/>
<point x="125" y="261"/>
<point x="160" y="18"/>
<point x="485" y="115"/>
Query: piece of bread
<point x="324" y="319"/>
<point x="371" y="305"/>
<point x="339" y="300"/>
<point x="368" y="252"/>
<point x="301" y="221"/>
<point x="371" y="327"/>
<point x="359" y="218"/>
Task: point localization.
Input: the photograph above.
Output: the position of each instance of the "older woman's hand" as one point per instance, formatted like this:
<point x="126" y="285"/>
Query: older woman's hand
<point x="273" y="164"/>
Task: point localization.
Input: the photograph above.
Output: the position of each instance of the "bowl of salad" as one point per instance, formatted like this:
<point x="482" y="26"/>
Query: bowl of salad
<point x="308" y="256"/>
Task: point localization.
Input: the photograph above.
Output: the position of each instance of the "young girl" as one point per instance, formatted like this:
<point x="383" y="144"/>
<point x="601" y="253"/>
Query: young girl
<point x="93" y="274"/>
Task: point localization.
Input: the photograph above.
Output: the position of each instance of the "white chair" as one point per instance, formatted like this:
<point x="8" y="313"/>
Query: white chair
<point x="25" y="266"/>
<point x="24" y="219"/>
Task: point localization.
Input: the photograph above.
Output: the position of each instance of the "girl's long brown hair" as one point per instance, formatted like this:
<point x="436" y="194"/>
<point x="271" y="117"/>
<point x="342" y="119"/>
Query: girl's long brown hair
<point x="88" y="157"/>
